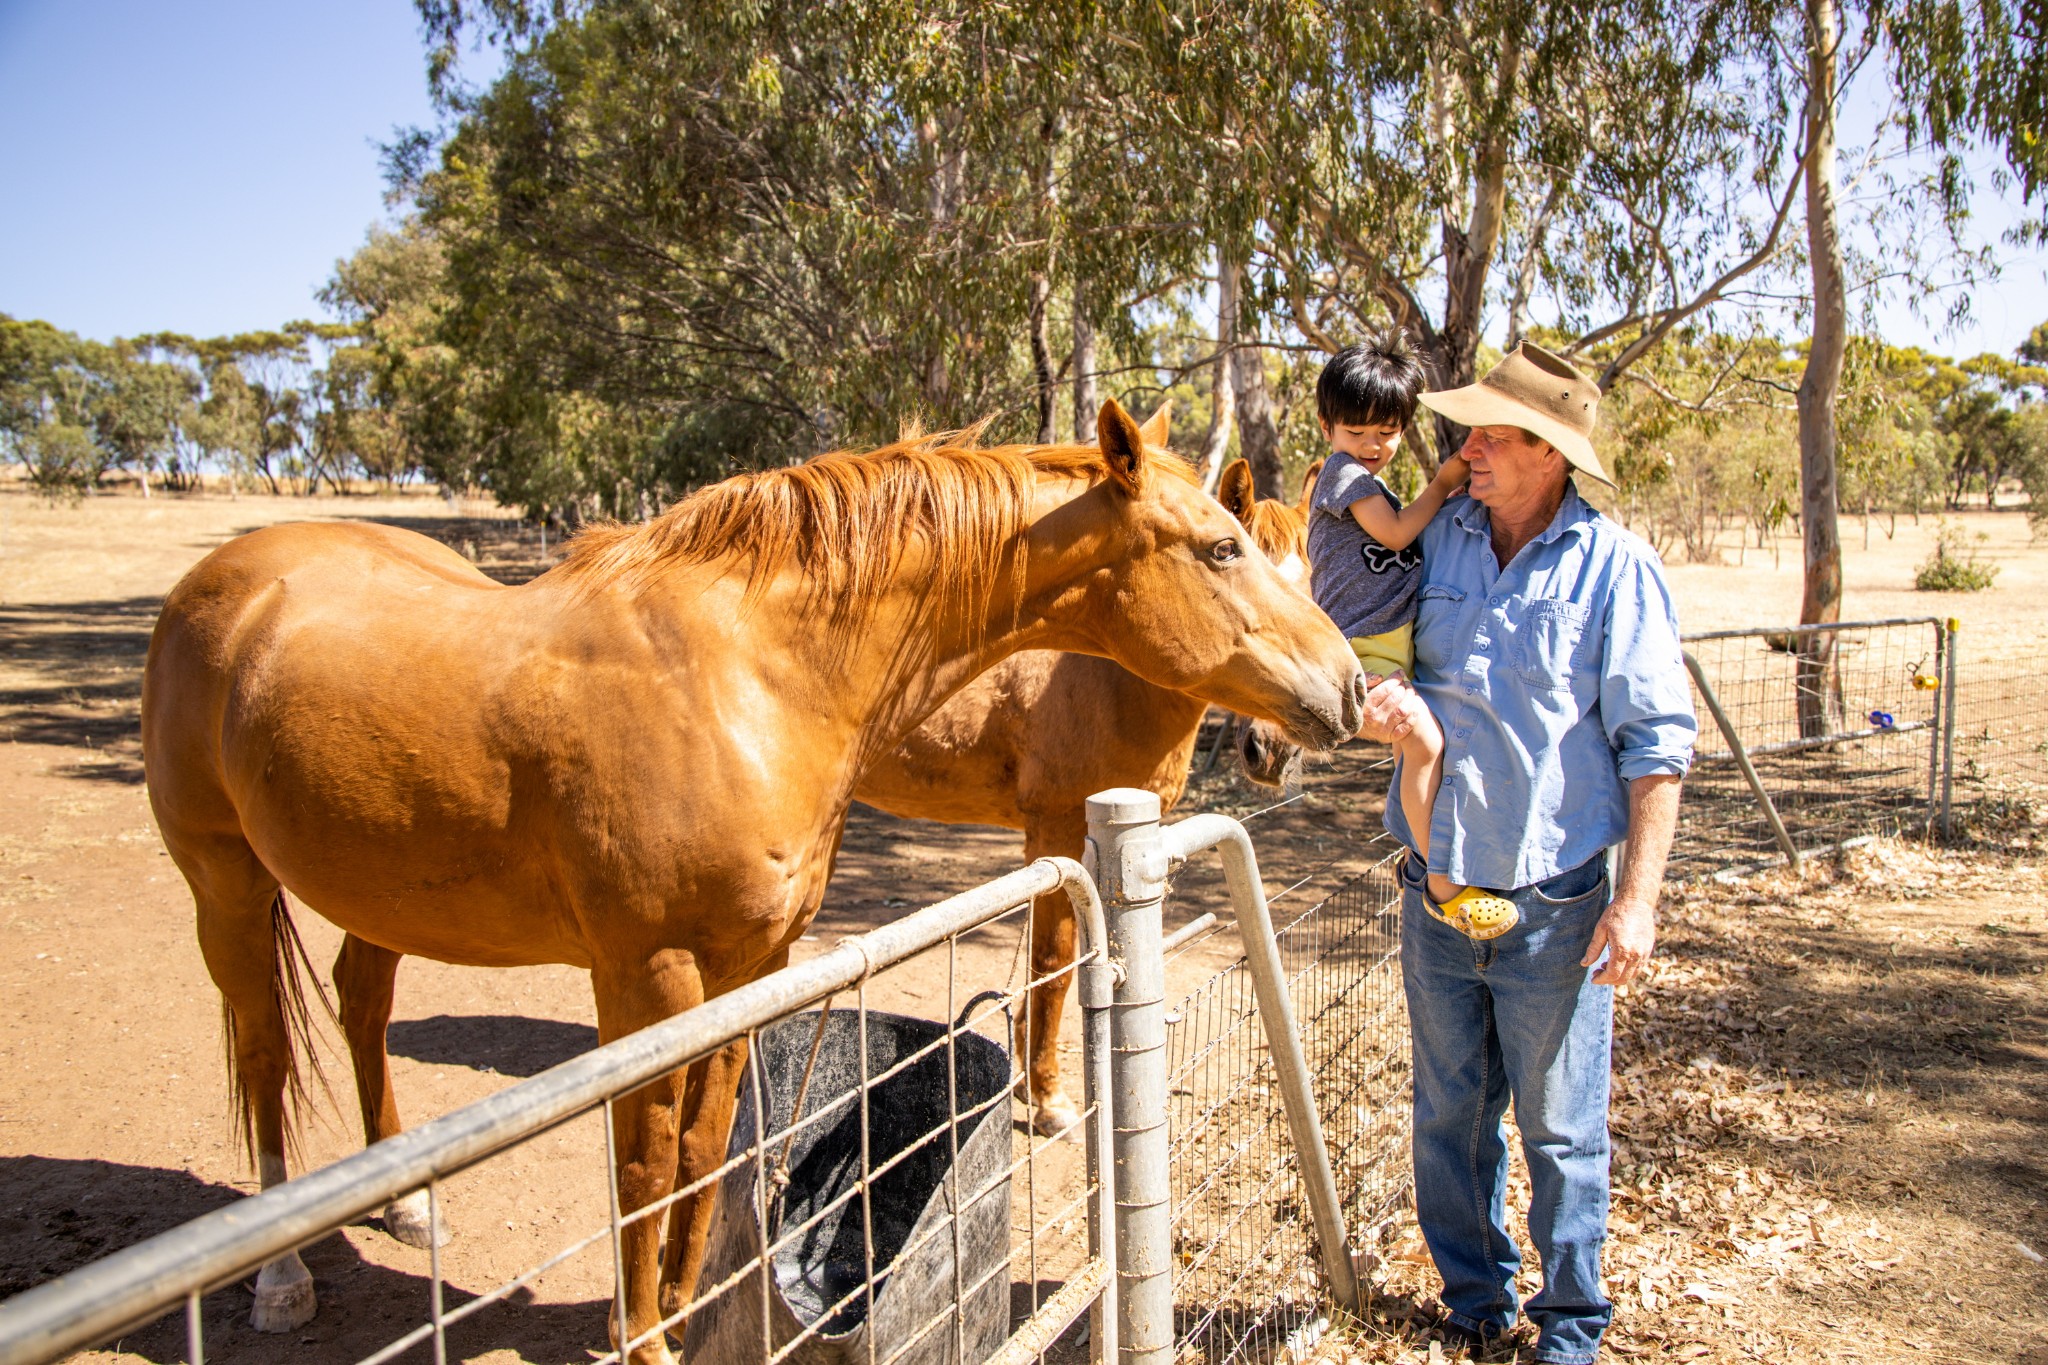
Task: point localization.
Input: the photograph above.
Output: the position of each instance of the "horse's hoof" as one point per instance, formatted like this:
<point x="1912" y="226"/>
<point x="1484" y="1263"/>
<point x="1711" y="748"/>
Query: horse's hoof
<point x="407" y="1219"/>
<point x="654" y="1352"/>
<point x="1058" y="1116"/>
<point x="284" y="1296"/>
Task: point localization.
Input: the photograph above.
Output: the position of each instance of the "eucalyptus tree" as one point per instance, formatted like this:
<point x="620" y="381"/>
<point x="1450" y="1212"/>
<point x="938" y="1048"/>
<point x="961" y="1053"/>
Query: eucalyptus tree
<point x="1959" y="73"/>
<point x="762" y="232"/>
<point x="142" y="409"/>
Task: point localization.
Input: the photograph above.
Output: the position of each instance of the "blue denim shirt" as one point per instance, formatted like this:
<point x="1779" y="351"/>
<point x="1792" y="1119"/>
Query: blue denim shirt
<point x="1557" y="681"/>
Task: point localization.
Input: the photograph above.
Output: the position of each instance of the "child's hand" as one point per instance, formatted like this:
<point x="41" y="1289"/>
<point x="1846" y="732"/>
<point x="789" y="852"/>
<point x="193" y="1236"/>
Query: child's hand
<point x="1454" y="472"/>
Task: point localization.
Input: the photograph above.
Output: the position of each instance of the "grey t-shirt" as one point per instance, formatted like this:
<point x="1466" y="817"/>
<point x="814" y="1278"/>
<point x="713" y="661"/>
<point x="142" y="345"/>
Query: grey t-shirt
<point x="1366" y="588"/>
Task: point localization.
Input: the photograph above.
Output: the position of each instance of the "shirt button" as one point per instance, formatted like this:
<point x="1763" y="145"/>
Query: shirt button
<point x="1493" y="601"/>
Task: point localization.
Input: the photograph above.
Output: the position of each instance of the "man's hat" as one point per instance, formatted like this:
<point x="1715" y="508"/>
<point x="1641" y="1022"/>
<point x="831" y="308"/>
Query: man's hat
<point x="1538" y="392"/>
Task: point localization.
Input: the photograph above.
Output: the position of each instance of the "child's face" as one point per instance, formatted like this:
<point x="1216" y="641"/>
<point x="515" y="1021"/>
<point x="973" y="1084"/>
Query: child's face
<point x="1371" y="444"/>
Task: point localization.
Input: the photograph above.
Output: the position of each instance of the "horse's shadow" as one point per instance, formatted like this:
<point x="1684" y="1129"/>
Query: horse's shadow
<point x="57" y="1215"/>
<point x="509" y="1044"/>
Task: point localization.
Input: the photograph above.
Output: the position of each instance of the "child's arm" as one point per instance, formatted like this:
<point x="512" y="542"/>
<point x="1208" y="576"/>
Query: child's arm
<point x="1397" y="530"/>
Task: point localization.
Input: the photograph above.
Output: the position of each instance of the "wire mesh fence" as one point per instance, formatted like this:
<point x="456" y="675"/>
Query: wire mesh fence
<point x="1998" y="758"/>
<point x="876" y="1203"/>
<point x="1889" y="727"/>
<point x="1247" y="1282"/>
<point x="1841" y="726"/>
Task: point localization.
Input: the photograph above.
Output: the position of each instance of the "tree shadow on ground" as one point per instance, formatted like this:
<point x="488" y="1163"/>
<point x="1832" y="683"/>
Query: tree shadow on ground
<point x="74" y="678"/>
<point x="56" y="1215"/>
<point x="509" y="1044"/>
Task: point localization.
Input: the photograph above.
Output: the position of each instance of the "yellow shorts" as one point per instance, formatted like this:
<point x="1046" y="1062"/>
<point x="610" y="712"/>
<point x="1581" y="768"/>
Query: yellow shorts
<point x="1388" y="652"/>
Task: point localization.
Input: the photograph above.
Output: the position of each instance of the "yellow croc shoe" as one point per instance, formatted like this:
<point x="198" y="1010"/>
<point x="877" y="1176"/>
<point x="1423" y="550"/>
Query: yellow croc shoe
<point x="1477" y="913"/>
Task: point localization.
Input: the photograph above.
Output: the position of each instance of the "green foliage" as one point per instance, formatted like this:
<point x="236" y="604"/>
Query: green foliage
<point x="62" y="457"/>
<point x="1954" y="566"/>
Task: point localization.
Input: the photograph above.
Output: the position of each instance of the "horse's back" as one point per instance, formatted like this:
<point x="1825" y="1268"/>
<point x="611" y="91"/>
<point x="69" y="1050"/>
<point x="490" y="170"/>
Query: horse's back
<point x="319" y="616"/>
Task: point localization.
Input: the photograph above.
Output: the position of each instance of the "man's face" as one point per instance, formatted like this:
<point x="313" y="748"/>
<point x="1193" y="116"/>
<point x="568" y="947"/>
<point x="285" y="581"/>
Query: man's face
<point x="1372" y="444"/>
<point x="1509" y="465"/>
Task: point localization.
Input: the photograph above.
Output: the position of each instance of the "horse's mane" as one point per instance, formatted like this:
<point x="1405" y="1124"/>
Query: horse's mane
<point x="1280" y="529"/>
<point x="844" y="520"/>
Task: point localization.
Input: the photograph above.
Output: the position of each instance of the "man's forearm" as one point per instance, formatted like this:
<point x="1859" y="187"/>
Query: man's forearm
<point x="1652" y="821"/>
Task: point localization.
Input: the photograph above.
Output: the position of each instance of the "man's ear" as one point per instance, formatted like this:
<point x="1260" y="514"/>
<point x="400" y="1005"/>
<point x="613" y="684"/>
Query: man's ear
<point x="1236" y="493"/>
<point x="1123" y="447"/>
<point x="1159" y="426"/>
<point x="1308" y="486"/>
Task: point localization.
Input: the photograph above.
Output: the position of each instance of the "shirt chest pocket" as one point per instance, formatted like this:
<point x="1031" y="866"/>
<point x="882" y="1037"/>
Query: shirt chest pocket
<point x="1550" y="645"/>
<point x="1437" y="610"/>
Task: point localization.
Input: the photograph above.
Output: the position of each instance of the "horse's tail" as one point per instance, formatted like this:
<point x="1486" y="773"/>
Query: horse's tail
<point x="290" y="969"/>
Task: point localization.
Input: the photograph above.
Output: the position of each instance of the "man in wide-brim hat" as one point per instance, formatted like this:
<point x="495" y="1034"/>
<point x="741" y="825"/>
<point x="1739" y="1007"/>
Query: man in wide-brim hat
<point x="1547" y="648"/>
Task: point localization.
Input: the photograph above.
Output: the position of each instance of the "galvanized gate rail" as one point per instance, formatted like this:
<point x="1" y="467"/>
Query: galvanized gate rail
<point x="1132" y="856"/>
<point x="141" y="1283"/>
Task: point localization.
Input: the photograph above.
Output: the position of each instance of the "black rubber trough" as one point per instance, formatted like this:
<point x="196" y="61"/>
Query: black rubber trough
<point x="911" y="1202"/>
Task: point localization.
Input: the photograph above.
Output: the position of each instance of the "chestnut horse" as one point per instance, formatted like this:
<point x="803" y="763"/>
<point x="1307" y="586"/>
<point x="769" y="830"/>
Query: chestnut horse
<point x="640" y="762"/>
<point x="1025" y="744"/>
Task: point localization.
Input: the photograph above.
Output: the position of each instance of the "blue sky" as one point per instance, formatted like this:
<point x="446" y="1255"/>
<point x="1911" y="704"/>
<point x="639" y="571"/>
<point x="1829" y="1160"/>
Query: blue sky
<point x="193" y="167"/>
<point x="200" y="167"/>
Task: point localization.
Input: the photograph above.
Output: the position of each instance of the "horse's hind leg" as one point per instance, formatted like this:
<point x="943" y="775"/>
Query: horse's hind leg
<point x="365" y="977"/>
<point x="1060" y="834"/>
<point x="244" y="936"/>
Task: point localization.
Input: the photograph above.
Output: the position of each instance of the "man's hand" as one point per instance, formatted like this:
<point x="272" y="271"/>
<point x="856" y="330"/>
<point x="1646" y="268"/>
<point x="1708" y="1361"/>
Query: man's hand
<point x="1627" y="933"/>
<point x="1391" y="709"/>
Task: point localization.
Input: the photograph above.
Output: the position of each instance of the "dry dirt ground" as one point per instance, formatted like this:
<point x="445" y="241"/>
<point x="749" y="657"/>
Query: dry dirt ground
<point x="1830" y="1095"/>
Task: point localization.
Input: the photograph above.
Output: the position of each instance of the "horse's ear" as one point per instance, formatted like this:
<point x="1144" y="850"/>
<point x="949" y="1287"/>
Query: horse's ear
<point x="1308" y="486"/>
<point x="1123" y="447"/>
<point x="1236" y="493"/>
<point x="1159" y="426"/>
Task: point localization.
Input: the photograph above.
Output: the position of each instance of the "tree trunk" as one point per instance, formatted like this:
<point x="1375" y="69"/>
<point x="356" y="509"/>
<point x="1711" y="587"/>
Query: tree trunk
<point x="1223" y="389"/>
<point x="1819" y="687"/>
<point x="1041" y="284"/>
<point x="948" y="171"/>
<point x="1085" y="400"/>
<point x="1469" y="249"/>
<point x="1041" y="357"/>
<point x="1258" y="430"/>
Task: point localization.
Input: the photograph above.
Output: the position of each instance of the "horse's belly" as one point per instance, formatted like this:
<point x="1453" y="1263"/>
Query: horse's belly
<point x="454" y="908"/>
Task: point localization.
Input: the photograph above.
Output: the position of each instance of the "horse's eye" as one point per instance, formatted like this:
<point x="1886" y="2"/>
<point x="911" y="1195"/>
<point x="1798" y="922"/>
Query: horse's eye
<point x="1225" y="551"/>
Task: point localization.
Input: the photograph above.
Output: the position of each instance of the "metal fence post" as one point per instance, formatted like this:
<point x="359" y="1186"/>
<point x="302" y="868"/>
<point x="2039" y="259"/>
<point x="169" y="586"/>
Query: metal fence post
<point x="1934" y="741"/>
<point x="1130" y="871"/>
<point x="1948" y="736"/>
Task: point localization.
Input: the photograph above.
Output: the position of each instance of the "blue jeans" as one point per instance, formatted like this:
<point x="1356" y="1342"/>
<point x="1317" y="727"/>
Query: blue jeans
<point x="1513" y="1017"/>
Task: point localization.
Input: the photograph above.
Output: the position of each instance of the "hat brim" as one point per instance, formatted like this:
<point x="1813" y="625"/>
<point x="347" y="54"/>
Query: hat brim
<point x="1477" y="405"/>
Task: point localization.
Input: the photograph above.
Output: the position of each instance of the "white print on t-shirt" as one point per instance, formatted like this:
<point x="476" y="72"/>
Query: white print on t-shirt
<point x="1380" y="559"/>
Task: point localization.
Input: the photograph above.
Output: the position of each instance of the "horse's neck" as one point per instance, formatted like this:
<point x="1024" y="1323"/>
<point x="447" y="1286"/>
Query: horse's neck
<point x="849" y="689"/>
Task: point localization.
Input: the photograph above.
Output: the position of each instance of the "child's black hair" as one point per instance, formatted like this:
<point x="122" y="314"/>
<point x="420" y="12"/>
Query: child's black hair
<point x="1370" y="384"/>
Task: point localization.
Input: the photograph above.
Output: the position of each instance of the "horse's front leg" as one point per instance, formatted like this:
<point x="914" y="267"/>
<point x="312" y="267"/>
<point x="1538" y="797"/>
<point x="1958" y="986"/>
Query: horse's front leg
<point x="1057" y="834"/>
<point x="630" y="997"/>
<point x="709" y="1097"/>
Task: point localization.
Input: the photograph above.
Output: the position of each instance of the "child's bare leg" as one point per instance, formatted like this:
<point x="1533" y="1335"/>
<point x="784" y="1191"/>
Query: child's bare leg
<point x="1421" y="752"/>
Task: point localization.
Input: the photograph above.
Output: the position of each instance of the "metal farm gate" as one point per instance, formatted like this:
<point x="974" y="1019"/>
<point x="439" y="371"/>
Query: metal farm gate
<point x="877" y="1205"/>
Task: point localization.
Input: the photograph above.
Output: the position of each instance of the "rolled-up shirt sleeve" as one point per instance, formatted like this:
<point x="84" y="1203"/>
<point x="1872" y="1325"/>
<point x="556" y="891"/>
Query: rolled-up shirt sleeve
<point x="1645" y="700"/>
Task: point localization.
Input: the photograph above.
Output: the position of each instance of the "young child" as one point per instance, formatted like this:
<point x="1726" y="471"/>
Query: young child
<point x="1365" y="572"/>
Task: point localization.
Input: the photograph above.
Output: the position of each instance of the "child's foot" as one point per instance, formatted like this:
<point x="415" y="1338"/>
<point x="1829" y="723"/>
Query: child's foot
<point x="1472" y="911"/>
